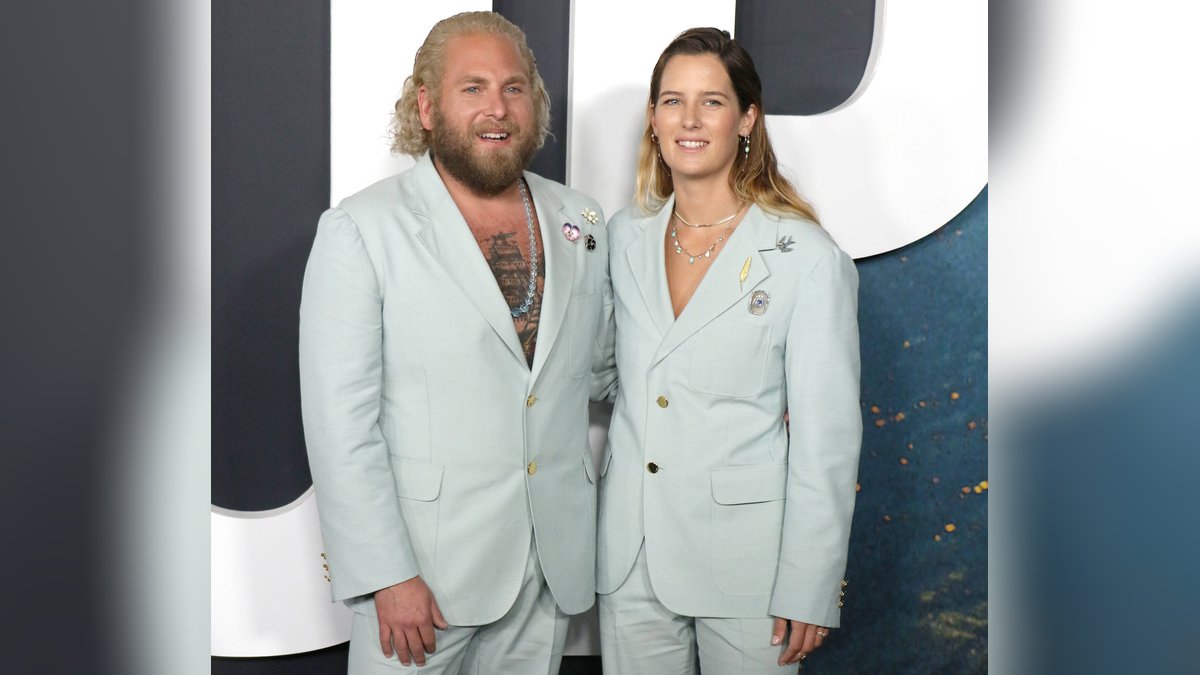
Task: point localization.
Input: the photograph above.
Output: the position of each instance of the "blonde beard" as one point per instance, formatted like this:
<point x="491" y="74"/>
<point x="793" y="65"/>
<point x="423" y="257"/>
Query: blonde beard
<point x="489" y="175"/>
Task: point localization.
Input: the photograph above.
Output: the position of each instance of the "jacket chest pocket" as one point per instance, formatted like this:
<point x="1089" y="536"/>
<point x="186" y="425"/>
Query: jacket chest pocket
<point x="730" y="359"/>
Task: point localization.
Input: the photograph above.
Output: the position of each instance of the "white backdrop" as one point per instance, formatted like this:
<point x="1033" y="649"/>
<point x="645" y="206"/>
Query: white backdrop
<point x="895" y="162"/>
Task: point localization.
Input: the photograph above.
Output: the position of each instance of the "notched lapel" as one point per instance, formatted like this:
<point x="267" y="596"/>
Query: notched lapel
<point x="646" y="261"/>
<point x="561" y="259"/>
<point x="448" y="238"/>
<point x="722" y="286"/>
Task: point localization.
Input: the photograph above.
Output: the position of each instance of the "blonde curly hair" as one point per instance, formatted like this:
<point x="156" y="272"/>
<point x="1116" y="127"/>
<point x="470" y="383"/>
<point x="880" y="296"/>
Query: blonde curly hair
<point x="408" y="136"/>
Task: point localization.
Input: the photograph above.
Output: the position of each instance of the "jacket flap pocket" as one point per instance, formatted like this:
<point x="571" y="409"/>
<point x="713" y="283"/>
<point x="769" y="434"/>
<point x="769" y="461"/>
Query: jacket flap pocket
<point x="749" y="484"/>
<point x="417" y="480"/>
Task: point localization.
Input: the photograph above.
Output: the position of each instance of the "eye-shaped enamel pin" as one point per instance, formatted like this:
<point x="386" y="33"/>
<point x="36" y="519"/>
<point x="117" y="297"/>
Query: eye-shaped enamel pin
<point x="759" y="300"/>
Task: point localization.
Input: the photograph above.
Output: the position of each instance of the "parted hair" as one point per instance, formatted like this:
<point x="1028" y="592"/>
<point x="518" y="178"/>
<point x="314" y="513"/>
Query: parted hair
<point x="408" y="136"/>
<point x="755" y="176"/>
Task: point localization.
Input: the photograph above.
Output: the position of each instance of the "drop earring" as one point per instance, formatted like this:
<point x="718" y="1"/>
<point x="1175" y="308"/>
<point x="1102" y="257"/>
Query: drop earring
<point x="658" y="151"/>
<point x="746" y="140"/>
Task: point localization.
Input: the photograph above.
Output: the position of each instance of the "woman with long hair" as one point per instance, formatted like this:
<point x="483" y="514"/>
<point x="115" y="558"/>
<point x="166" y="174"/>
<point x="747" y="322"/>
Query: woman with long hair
<point x="723" y="529"/>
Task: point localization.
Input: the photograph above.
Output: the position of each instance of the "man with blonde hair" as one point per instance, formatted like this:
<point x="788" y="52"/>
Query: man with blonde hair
<point x="455" y="320"/>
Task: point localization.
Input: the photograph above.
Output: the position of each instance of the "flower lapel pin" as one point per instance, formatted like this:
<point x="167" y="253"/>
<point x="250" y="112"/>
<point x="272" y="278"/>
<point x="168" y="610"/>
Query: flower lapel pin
<point x="590" y="216"/>
<point x="571" y="232"/>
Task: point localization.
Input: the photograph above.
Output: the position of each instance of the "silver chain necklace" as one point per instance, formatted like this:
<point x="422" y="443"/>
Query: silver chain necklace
<point x="533" y="257"/>
<point x="707" y="253"/>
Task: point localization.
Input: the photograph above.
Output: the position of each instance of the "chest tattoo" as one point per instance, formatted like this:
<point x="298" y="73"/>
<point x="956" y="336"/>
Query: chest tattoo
<point x="507" y="253"/>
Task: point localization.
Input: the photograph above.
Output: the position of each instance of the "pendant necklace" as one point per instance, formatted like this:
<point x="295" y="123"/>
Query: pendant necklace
<point x="707" y="253"/>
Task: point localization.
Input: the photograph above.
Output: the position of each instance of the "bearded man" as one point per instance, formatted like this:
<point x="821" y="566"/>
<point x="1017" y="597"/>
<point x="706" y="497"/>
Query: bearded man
<point x="456" y="319"/>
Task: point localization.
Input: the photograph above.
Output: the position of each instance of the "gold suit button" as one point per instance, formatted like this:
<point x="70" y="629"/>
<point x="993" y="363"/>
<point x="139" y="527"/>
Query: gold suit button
<point x="532" y="468"/>
<point x="530" y="401"/>
<point x="663" y="402"/>
<point x="652" y="467"/>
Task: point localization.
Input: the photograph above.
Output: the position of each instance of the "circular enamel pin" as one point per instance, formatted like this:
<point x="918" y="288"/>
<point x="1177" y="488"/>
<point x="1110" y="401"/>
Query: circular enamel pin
<point x="589" y="242"/>
<point x="758" y="302"/>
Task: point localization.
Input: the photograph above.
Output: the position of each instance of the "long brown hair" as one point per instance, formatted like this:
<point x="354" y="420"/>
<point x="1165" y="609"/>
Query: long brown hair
<point x="755" y="176"/>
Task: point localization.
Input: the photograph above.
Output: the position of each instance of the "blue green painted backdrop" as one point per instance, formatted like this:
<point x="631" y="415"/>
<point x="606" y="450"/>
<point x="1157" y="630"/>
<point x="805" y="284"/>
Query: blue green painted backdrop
<point x="917" y="595"/>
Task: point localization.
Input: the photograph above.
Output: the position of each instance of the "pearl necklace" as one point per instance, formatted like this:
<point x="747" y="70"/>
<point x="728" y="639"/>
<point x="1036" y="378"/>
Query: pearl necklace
<point x="523" y="308"/>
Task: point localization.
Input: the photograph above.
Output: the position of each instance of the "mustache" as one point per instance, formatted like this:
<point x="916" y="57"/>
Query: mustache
<point x="495" y="128"/>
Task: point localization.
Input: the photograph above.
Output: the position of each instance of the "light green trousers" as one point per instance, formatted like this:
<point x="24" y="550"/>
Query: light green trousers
<point x="639" y="636"/>
<point x="528" y="640"/>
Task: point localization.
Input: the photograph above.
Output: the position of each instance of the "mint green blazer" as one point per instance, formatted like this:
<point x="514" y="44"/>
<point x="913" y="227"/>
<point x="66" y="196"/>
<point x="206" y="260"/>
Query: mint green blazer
<point x="740" y="517"/>
<point x="435" y="449"/>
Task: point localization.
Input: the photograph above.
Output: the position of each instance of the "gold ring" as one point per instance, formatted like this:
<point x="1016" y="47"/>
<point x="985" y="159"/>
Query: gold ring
<point x="822" y="635"/>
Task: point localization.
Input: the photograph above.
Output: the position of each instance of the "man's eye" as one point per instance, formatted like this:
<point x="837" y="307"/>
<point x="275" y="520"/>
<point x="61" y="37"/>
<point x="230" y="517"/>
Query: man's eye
<point x="472" y="90"/>
<point x="514" y="90"/>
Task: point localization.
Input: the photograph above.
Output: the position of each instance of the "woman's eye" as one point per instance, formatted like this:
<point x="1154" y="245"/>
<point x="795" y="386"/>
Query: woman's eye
<point x="670" y="101"/>
<point x="712" y="102"/>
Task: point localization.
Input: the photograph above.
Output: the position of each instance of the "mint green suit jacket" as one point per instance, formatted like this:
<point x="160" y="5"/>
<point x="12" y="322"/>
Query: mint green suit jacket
<point x="740" y="517"/>
<point x="435" y="449"/>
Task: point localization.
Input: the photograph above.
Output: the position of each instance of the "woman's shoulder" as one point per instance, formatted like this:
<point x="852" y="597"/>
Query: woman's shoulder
<point x="802" y="229"/>
<point x="627" y="223"/>
<point x="631" y="214"/>
<point x="805" y="235"/>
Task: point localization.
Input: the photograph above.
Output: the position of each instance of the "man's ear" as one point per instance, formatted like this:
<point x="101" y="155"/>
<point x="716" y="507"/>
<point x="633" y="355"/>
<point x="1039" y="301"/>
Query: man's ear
<point x="425" y="107"/>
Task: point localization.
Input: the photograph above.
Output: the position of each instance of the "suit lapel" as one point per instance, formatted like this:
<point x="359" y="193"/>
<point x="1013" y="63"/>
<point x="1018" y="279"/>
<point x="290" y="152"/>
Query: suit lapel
<point x="722" y="286"/>
<point x="449" y="240"/>
<point x="561" y="258"/>
<point x="646" y="261"/>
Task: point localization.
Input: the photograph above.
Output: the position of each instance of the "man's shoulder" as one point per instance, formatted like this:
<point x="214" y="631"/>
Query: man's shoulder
<point x="389" y="200"/>
<point x="568" y="195"/>
<point x="386" y="192"/>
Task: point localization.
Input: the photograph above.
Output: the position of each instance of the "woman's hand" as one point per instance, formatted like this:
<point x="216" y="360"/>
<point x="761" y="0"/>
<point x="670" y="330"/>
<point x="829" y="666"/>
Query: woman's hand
<point x="801" y="638"/>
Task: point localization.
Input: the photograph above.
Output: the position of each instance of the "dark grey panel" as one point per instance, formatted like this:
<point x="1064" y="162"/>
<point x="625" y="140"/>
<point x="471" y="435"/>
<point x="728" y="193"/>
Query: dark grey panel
<point x="547" y="27"/>
<point x="270" y="182"/>
<point x="810" y="54"/>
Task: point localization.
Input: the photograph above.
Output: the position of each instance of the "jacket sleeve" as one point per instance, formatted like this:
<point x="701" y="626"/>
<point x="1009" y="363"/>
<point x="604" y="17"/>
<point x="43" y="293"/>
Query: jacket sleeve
<point x="825" y="437"/>
<point x="604" y="360"/>
<point x="341" y="332"/>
